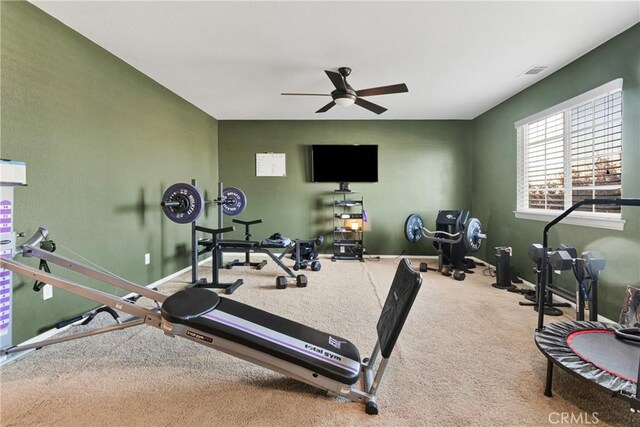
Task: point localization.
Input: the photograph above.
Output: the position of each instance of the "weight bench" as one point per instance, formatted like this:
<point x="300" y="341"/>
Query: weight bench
<point x="322" y="360"/>
<point x="247" y="237"/>
<point x="241" y="246"/>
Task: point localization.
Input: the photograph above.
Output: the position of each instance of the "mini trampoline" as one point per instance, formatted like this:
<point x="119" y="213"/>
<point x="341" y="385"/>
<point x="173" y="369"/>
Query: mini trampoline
<point x="602" y="354"/>
<point x="591" y="351"/>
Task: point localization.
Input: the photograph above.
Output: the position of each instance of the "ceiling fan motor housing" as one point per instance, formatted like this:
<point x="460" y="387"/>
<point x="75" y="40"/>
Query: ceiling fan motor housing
<point x="345" y="71"/>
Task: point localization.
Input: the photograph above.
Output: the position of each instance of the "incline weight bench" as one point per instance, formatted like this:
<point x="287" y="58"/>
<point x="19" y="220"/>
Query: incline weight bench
<point x="217" y="247"/>
<point x="322" y="360"/>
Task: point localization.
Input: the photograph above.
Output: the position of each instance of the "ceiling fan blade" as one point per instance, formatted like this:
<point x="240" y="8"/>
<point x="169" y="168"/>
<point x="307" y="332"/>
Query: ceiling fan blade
<point x="370" y="106"/>
<point x="383" y="90"/>
<point x="326" y="107"/>
<point x="307" y="94"/>
<point x="337" y="80"/>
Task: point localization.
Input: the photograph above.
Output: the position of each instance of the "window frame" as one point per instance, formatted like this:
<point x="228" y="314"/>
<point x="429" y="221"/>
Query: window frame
<point x="612" y="221"/>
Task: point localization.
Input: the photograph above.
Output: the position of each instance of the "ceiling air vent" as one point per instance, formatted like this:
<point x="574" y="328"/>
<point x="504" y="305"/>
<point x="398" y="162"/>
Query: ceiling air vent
<point x="535" y="70"/>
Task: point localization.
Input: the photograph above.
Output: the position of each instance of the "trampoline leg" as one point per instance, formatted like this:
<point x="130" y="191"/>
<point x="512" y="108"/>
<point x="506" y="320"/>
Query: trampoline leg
<point x="547" y="387"/>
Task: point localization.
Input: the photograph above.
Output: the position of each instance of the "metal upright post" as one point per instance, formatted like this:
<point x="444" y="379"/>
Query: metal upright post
<point x="218" y="254"/>
<point x="593" y="304"/>
<point x="194" y="247"/>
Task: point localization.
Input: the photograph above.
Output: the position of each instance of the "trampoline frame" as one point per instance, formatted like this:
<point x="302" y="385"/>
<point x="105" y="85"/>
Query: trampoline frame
<point x="632" y="398"/>
<point x="561" y="332"/>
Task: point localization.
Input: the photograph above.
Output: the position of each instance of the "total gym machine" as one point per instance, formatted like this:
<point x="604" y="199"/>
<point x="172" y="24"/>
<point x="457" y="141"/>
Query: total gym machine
<point x="456" y="235"/>
<point x="317" y="358"/>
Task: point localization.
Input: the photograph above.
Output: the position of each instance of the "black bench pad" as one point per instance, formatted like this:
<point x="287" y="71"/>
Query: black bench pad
<point x="240" y="244"/>
<point x="230" y="243"/>
<point x="328" y="355"/>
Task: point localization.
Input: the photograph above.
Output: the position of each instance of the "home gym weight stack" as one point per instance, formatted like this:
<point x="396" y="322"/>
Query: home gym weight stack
<point x="12" y="174"/>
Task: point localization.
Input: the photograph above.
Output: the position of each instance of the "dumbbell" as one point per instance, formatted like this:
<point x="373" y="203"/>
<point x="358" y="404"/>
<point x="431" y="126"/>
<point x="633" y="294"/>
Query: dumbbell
<point x="282" y="281"/>
<point x="561" y="260"/>
<point x="593" y="265"/>
<point x="536" y="251"/>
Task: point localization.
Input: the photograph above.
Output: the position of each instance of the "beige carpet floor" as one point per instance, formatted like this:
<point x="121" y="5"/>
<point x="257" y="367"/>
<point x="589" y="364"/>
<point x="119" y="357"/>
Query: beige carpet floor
<point x="466" y="357"/>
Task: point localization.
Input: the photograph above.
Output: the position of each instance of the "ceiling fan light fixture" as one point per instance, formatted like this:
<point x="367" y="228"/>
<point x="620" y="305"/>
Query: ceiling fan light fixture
<point x="345" y="101"/>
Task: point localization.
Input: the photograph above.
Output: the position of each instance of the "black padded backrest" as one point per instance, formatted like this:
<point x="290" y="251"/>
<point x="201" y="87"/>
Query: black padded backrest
<point x="403" y="292"/>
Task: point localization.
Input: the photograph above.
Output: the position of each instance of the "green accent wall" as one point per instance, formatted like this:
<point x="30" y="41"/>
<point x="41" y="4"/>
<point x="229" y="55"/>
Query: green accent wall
<point x="424" y="166"/>
<point x="494" y="172"/>
<point x="101" y="142"/>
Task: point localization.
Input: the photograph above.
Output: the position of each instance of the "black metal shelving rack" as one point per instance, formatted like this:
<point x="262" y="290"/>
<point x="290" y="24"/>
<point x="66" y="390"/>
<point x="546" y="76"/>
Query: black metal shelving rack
<point x="348" y="232"/>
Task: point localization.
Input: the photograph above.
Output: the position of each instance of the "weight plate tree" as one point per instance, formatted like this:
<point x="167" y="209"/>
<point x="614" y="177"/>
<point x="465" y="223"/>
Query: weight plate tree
<point x="182" y="203"/>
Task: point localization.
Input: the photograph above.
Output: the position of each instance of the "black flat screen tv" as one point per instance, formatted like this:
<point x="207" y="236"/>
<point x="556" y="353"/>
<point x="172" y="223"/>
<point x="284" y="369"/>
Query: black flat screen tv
<point x="344" y="163"/>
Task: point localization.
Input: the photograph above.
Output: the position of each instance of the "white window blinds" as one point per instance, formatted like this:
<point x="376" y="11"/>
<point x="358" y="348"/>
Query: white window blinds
<point x="572" y="152"/>
<point x="596" y="151"/>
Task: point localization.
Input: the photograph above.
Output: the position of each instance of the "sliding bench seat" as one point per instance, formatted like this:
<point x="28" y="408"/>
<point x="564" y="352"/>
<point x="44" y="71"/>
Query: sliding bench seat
<point x="206" y="313"/>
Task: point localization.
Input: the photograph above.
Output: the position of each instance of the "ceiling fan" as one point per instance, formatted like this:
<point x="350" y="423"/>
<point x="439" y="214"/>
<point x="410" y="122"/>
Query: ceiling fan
<point x="345" y="95"/>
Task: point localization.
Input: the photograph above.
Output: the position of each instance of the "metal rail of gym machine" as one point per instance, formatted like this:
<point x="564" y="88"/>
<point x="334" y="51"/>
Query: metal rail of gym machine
<point x="276" y="343"/>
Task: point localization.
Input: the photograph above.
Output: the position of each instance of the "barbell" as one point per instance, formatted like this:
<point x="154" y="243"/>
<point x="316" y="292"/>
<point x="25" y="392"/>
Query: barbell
<point x="184" y="203"/>
<point x="472" y="235"/>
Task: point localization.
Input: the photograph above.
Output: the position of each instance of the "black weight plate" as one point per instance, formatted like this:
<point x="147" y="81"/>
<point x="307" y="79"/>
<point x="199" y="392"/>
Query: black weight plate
<point x="235" y="201"/>
<point x="473" y="235"/>
<point x="413" y="228"/>
<point x="190" y="203"/>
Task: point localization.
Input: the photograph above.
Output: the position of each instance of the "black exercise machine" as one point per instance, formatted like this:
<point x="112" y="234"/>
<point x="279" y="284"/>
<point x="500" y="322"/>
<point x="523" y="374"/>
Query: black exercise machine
<point x="323" y="360"/>
<point x="456" y="235"/>
<point x="586" y="270"/>
<point x="217" y="247"/>
<point x="306" y="255"/>
<point x="550" y="307"/>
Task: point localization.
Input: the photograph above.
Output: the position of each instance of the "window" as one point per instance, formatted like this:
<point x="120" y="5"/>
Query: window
<point x="571" y="152"/>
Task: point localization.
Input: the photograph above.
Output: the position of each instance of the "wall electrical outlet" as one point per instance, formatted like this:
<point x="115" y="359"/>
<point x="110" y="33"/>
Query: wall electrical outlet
<point x="147" y="259"/>
<point x="47" y="292"/>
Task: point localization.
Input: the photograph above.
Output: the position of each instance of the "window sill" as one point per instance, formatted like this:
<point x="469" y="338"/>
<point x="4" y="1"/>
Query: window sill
<point x="574" y="219"/>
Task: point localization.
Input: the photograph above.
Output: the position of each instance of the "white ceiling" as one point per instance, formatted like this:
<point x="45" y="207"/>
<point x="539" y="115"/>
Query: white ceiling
<point x="233" y="59"/>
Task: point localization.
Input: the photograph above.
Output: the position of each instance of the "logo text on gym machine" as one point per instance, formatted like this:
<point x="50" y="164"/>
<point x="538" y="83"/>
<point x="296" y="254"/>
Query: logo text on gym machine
<point x="336" y="343"/>
<point x="199" y="336"/>
<point x="322" y="352"/>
